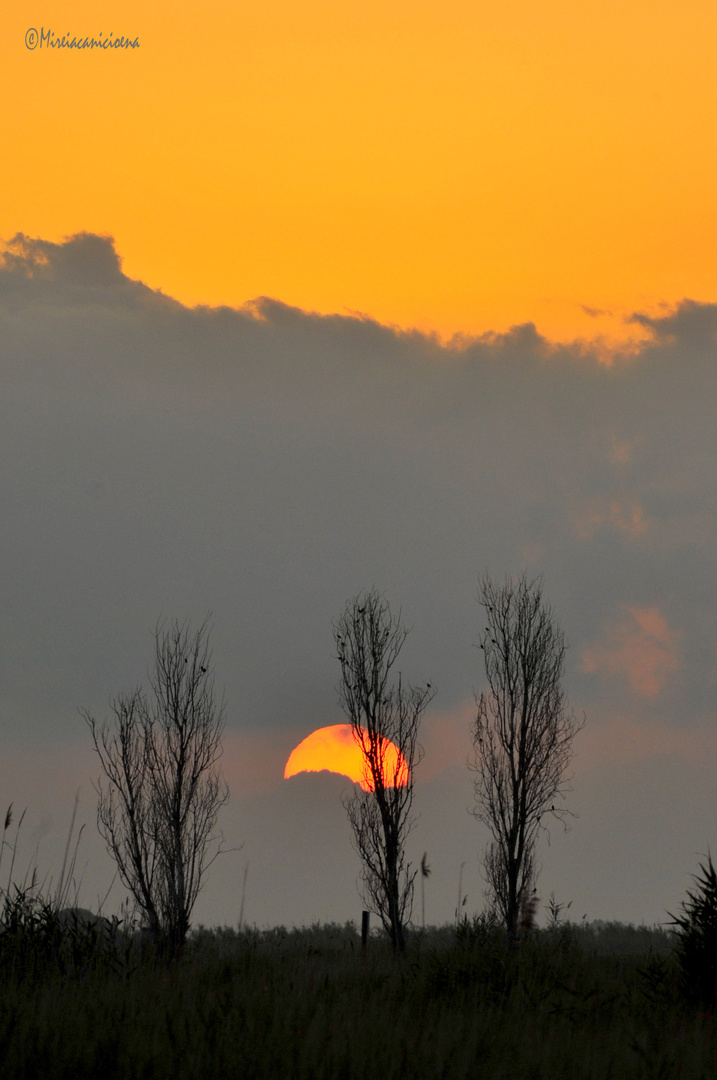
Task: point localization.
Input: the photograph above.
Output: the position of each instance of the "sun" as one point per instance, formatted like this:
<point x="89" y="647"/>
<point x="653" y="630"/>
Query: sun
<point x="335" y="749"/>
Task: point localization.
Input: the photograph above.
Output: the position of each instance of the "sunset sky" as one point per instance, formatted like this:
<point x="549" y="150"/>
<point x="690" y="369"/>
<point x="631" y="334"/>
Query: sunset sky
<point x="457" y="167"/>
<point x="265" y="341"/>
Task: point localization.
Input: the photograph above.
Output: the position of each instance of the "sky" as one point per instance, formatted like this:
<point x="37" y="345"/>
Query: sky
<point x="458" y="167"/>
<point x="301" y="300"/>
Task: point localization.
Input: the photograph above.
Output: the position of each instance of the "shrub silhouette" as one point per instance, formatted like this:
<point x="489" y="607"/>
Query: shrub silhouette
<point x="36" y="938"/>
<point x="697" y="937"/>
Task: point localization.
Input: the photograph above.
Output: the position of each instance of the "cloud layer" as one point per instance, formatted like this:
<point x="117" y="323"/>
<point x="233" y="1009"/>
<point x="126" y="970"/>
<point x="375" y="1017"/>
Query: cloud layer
<point x="267" y="463"/>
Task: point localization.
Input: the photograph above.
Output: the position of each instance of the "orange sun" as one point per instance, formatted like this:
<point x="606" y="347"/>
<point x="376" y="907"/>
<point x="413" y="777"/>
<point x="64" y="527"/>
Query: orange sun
<point x="334" y="748"/>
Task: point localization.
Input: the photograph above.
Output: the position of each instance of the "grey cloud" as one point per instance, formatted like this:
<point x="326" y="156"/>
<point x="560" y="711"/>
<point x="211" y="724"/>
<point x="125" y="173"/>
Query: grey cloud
<point x="689" y="324"/>
<point x="83" y="259"/>
<point x="266" y="463"/>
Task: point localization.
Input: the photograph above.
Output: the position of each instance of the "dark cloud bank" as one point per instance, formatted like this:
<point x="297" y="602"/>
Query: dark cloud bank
<point x="267" y="463"/>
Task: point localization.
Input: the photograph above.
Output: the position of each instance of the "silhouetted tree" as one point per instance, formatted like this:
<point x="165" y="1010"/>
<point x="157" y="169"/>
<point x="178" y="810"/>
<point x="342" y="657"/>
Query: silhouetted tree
<point x="522" y="736"/>
<point x="368" y="641"/>
<point x="162" y="790"/>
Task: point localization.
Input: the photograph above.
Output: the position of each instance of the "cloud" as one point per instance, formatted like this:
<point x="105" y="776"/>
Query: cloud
<point x="622" y="737"/>
<point x="83" y="259"/>
<point x="622" y="450"/>
<point x="638" y="647"/>
<point x="689" y="322"/>
<point x="446" y="738"/>
<point x="266" y="463"/>
<point x="622" y="514"/>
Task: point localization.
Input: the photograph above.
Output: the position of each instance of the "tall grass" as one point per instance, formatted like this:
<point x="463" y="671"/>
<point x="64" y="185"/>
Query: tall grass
<point x="567" y="1004"/>
<point x="39" y="934"/>
<point x="696" y="932"/>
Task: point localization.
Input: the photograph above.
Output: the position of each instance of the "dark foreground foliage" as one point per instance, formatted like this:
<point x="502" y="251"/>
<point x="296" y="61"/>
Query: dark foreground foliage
<point x="696" y="929"/>
<point x="565" y="1004"/>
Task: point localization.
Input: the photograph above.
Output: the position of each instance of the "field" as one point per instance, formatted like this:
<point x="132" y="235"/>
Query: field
<point x="568" y="1003"/>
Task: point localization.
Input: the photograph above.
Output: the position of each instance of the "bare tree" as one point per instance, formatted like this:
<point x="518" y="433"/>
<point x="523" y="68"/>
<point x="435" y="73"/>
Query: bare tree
<point x="522" y="736"/>
<point x="368" y="640"/>
<point x="162" y="790"/>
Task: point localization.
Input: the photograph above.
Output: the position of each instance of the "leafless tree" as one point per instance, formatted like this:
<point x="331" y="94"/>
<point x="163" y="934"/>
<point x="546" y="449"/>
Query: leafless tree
<point x="162" y="790"/>
<point x="522" y="736"/>
<point x="368" y="640"/>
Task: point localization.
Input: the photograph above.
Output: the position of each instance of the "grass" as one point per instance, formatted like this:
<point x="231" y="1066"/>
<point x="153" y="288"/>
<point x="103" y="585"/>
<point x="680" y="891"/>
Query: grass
<point x="308" y="1005"/>
<point x="79" y="1001"/>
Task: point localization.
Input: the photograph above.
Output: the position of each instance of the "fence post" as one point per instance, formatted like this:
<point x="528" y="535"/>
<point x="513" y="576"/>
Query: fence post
<point x="365" y="916"/>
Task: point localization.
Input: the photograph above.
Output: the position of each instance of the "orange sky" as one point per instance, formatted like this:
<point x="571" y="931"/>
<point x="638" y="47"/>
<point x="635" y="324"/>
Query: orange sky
<point x="456" y="166"/>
